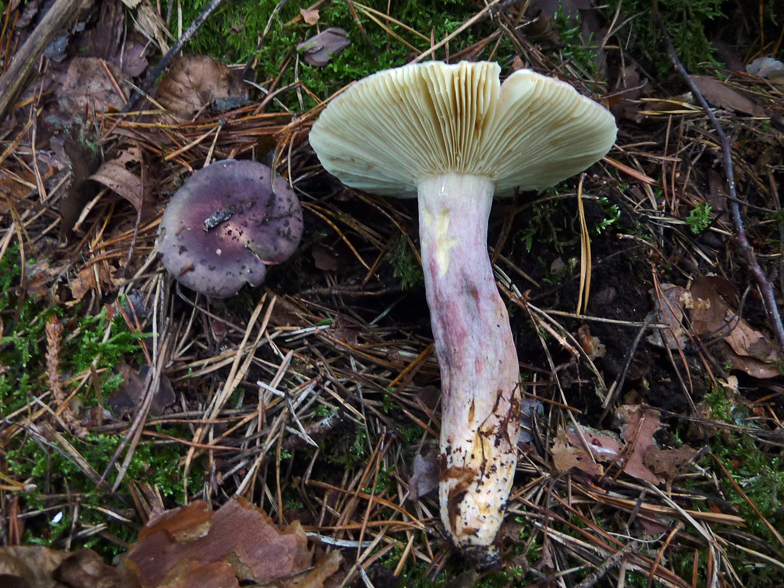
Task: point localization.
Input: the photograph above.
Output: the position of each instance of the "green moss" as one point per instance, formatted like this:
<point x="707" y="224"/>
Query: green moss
<point x="699" y="218"/>
<point x="405" y="266"/>
<point x="53" y="473"/>
<point x="231" y="35"/>
<point x="685" y="22"/>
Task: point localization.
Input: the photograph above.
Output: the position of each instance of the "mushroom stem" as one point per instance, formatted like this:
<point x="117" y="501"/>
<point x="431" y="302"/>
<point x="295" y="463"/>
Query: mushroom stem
<point x="479" y="370"/>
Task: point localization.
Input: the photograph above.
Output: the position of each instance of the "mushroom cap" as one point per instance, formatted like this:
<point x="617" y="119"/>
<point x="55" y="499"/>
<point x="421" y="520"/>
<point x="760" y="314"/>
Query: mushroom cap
<point x="226" y="224"/>
<point x="398" y="127"/>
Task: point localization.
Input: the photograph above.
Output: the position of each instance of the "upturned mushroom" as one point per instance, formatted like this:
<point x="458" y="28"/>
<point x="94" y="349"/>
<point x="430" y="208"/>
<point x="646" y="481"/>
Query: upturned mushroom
<point x="226" y="224"/>
<point x="454" y="136"/>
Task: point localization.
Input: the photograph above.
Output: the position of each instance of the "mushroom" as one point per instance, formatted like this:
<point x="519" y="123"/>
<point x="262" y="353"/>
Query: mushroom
<point x="226" y="224"/>
<point x="453" y="135"/>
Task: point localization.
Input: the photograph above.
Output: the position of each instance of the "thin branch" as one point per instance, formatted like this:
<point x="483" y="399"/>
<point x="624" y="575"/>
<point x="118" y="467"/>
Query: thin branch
<point x="764" y="284"/>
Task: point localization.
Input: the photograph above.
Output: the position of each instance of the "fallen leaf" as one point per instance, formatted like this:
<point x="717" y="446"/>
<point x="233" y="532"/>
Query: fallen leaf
<point x="625" y="100"/>
<point x="325" y="258"/>
<point x="320" y="49"/>
<point x="669" y="463"/>
<point x="652" y="525"/>
<point x="711" y="316"/>
<point x="638" y="426"/>
<point x="747" y="341"/>
<point x="309" y="15"/>
<point x="88" y="83"/>
<point x="569" y="450"/>
<point x="30" y="567"/>
<point x="182" y="524"/>
<point x="129" y="396"/>
<point x="83" y="283"/>
<point x="125" y="183"/>
<point x="194" y="81"/>
<point x="424" y="478"/>
<point x="567" y="456"/>
<point x="722" y="95"/>
<point x="41" y="567"/>
<point x="316" y="577"/>
<point x="753" y="367"/>
<point x="176" y="546"/>
<point x="86" y="569"/>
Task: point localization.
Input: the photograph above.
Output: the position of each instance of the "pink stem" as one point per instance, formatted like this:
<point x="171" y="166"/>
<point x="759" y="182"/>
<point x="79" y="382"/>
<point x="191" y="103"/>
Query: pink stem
<point x="477" y="358"/>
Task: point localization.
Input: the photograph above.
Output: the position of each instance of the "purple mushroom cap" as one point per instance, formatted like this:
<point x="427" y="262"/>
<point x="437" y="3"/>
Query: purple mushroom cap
<point x="226" y="225"/>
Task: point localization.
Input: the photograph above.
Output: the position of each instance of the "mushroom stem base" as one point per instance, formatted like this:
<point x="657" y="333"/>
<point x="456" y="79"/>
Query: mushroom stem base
<point x="477" y="359"/>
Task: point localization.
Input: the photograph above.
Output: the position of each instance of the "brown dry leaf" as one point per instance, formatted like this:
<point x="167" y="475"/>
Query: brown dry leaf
<point x="724" y="96"/>
<point x="638" y="426"/>
<point x="316" y="577"/>
<point x="30" y="566"/>
<point x="630" y="88"/>
<point x="88" y="83"/>
<point x="130" y="394"/>
<point x="750" y="350"/>
<point x="320" y="49"/>
<point x="567" y="456"/>
<point x="85" y="281"/>
<point x="749" y="342"/>
<point x="127" y="184"/>
<point x="41" y="567"/>
<point x="181" y="524"/>
<point x="709" y="310"/>
<point x="82" y="283"/>
<point x="190" y="574"/>
<point x="669" y="462"/>
<point x="325" y="258"/>
<point x="753" y="367"/>
<point x="309" y="15"/>
<point x="194" y="81"/>
<point x="173" y="548"/>
<point x="424" y="478"/>
<point x="86" y="569"/>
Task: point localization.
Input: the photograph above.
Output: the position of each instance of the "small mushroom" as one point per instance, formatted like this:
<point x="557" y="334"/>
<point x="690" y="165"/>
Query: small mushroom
<point x="453" y="135"/>
<point x="226" y="224"/>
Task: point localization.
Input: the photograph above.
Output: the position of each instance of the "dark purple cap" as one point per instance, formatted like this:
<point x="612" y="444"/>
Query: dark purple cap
<point x="226" y="225"/>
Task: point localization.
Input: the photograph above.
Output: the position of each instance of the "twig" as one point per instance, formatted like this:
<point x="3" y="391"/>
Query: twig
<point x="607" y="565"/>
<point x="764" y="284"/>
<point x="487" y="12"/>
<point x="164" y="63"/>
